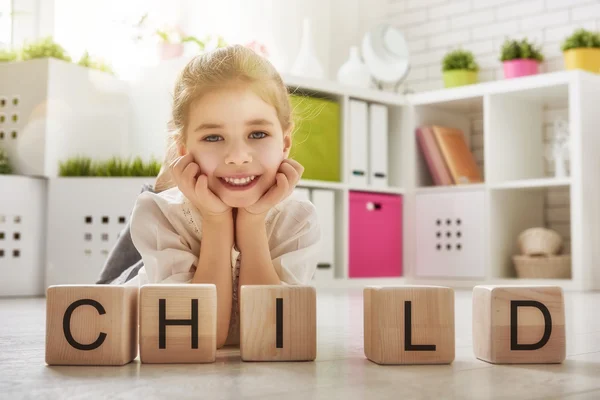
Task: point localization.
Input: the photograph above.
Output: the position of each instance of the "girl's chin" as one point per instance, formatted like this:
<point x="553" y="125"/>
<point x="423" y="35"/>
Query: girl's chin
<point x="239" y="202"/>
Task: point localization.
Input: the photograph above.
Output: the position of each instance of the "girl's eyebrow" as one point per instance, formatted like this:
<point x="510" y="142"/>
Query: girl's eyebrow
<point x="252" y="122"/>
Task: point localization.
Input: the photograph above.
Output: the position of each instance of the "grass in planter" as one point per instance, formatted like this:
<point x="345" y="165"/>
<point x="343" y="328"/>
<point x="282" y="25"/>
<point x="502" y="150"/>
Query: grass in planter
<point x="113" y="167"/>
<point x="77" y="166"/>
<point x="5" y="167"/>
<point x="42" y="48"/>
<point x="520" y="50"/>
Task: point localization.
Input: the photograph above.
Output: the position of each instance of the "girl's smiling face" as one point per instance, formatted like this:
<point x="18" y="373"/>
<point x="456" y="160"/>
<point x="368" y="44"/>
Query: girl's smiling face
<point x="234" y="134"/>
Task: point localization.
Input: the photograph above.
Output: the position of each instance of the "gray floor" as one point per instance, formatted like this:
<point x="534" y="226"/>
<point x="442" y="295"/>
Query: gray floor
<point x="340" y="372"/>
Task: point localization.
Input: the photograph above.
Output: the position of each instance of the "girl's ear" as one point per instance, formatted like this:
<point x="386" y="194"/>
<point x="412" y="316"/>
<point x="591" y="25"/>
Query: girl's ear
<point x="287" y="141"/>
<point x="181" y="150"/>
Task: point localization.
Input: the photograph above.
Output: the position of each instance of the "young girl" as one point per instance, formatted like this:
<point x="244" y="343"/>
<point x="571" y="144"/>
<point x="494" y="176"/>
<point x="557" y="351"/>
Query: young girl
<point x="225" y="213"/>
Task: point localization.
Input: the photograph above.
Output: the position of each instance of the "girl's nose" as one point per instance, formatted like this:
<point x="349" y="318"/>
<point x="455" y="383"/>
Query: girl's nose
<point x="238" y="153"/>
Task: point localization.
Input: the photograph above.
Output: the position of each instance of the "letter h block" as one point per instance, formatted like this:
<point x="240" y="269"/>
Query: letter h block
<point x="178" y="323"/>
<point x="409" y="324"/>
<point x="519" y="324"/>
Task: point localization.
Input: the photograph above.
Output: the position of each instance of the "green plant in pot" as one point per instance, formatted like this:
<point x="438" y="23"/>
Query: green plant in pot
<point x="520" y="58"/>
<point x="581" y="50"/>
<point x="459" y="68"/>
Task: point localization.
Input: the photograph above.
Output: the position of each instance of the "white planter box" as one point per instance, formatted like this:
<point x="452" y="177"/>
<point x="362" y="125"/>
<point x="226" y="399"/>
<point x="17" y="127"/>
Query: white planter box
<point x="22" y="232"/>
<point x="62" y="110"/>
<point x="85" y="217"/>
<point x="451" y="234"/>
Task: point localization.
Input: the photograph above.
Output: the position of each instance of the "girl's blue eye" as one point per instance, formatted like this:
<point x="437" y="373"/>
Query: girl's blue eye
<point x="211" y="138"/>
<point x="263" y="134"/>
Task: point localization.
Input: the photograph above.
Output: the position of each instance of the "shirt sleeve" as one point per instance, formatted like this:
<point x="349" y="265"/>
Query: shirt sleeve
<point x="166" y="256"/>
<point x="296" y="241"/>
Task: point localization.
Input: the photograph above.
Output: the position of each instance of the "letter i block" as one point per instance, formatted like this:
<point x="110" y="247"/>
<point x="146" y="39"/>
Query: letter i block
<point x="91" y="324"/>
<point x="178" y="323"/>
<point x="278" y="323"/>
<point x="519" y="324"/>
<point x="409" y="324"/>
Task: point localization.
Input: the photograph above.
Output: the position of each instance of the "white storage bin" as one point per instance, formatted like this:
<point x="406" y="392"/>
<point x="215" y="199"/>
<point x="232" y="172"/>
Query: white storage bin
<point x="85" y="217"/>
<point x="324" y="201"/>
<point x="22" y="235"/>
<point x="54" y="110"/>
<point x="451" y="234"/>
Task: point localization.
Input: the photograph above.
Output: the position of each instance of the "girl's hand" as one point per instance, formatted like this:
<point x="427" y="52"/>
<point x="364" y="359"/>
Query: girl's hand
<point x="194" y="185"/>
<point x="289" y="173"/>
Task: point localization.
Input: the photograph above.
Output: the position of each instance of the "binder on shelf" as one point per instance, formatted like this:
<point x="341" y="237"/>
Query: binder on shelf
<point x="324" y="201"/>
<point x="378" y="146"/>
<point x="359" y="127"/>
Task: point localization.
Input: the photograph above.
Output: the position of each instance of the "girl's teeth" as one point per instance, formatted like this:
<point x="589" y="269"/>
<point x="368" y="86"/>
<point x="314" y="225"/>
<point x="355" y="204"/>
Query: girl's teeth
<point x="243" y="181"/>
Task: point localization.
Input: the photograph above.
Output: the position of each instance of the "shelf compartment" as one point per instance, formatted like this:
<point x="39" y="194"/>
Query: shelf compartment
<point x="512" y="211"/>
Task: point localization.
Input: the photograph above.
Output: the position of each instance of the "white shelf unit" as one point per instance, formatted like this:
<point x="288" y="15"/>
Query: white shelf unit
<point x="397" y="169"/>
<point x="509" y="120"/>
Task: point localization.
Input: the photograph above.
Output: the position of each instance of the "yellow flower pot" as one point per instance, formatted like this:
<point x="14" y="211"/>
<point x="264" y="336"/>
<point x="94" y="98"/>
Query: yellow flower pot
<point x="459" y="77"/>
<point x="585" y="58"/>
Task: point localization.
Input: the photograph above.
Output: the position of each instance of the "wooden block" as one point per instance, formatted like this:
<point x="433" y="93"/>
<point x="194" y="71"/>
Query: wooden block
<point x="178" y="323"/>
<point x="409" y="324"/>
<point x="91" y="324"/>
<point x="519" y="324"/>
<point x="278" y="323"/>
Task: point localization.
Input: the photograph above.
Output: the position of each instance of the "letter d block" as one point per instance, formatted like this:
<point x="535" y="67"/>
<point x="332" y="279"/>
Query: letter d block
<point x="178" y="323"/>
<point x="91" y="324"/>
<point x="278" y="323"/>
<point x="409" y="324"/>
<point x="519" y="324"/>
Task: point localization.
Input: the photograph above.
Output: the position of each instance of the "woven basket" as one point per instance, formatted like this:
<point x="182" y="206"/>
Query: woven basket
<point x="545" y="267"/>
<point x="539" y="242"/>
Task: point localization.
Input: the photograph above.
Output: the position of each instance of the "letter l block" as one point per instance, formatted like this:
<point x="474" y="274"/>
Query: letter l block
<point x="409" y="324"/>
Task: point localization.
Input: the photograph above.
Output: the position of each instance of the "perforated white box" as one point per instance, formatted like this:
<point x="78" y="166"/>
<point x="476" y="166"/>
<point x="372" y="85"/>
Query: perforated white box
<point x="51" y="110"/>
<point x="22" y="235"/>
<point x="451" y="234"/>
<point x="85" y="217"/>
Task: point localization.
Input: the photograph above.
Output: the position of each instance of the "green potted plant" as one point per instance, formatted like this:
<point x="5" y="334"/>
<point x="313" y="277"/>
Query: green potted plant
<point x="459" y="68"/>
<point x="5" y="167"/>
<point x="520" y="58"/>
<point x="581" y="50"/>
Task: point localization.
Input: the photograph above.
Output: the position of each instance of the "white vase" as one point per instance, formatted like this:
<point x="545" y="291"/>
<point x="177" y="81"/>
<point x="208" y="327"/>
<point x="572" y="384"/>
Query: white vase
<point x="307" y="64"/>
<point x="354" y="72"/>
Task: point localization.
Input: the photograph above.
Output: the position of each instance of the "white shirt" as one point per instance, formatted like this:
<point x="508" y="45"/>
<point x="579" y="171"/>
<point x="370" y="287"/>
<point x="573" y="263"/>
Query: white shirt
<point x="166" y="229"/>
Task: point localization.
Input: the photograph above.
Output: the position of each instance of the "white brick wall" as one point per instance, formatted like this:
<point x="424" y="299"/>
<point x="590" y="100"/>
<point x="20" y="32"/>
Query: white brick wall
<point x="438" y="26"/>
<point x="482" y="26"/>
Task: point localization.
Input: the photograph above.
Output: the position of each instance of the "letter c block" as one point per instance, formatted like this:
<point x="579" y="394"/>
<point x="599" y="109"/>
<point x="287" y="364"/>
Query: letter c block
<point x="519" y="324"/>
<point x="409" y="324"/>
<point x="91" y="324"/>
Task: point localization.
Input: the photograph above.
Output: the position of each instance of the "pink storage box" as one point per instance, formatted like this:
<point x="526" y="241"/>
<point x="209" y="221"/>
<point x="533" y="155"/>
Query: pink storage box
<point x="375" y="235"/>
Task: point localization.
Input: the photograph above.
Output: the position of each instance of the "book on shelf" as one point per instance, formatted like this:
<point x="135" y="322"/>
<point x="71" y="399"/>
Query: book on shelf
<point x="433" y="156"/>
<point x="448" y="157"/>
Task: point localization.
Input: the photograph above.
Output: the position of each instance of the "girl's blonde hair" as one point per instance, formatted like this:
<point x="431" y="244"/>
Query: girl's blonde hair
<point x="231" y="65"/>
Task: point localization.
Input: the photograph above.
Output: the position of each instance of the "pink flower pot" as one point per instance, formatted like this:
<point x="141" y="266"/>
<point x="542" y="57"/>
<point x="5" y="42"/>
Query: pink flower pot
<point x="521" y="67"/>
